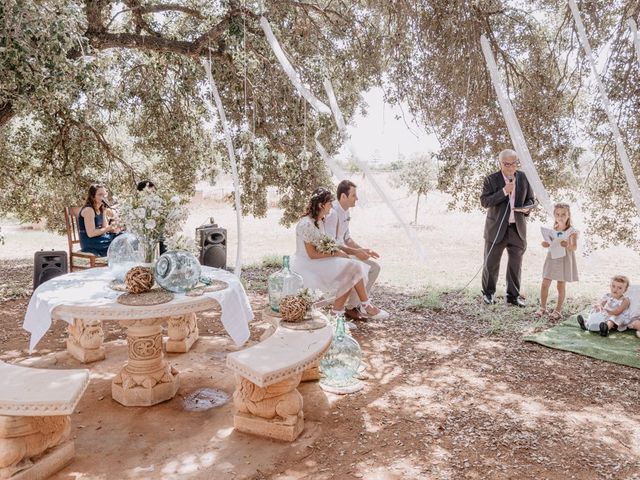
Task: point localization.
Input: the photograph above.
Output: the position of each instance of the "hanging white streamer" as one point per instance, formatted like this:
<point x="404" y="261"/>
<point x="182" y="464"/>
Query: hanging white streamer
<point x="337" y="115"/>
<point x="622" y="151"/>
<point x="333" y="166"/>
<point x="322" y="108"/>
<point x="515" y="132"/>
<point x="289" y="70"/>
<point x="234" y="167"/>
<point x="635" y="37"/>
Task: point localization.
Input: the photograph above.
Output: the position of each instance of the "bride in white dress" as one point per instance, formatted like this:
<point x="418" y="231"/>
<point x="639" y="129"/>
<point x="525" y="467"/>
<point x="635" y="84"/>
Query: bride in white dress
<point x="336" y="274"/>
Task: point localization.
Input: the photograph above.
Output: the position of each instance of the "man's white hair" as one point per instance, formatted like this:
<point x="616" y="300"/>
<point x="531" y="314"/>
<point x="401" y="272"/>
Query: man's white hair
<point x="507" y="153"/>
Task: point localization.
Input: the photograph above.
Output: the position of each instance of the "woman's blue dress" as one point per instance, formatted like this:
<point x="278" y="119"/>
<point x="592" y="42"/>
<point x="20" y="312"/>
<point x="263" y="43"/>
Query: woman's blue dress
<point x="96" y="245"/>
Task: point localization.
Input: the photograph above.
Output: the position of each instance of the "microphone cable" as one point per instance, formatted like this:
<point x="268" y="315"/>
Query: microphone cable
<point x="484" y="262"/>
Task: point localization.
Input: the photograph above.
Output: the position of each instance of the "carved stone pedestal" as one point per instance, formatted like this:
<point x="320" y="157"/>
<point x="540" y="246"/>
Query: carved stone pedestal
<point x="146" y="378"/>
<point x="183" y="333"/>
<point x="34" y="447"/>
<point x="85" y="340"/>
<point x="312" y="374"/>
<point x="273" y="412"/>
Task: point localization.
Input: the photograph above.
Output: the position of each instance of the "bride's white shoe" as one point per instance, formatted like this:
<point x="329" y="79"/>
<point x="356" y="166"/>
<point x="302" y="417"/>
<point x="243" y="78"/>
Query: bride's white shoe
<point x="368" y="311"/>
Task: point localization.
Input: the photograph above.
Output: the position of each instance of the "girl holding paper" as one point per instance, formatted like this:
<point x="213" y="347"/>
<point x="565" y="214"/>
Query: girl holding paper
<point x="560" y="264"/>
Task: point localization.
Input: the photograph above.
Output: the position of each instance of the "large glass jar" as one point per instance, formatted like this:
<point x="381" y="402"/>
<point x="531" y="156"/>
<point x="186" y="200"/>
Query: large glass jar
<point x="282" y="283"/>
<point x="339" y="366"/>
<point x="125" y="252"/>
<point x="177" y="271"/>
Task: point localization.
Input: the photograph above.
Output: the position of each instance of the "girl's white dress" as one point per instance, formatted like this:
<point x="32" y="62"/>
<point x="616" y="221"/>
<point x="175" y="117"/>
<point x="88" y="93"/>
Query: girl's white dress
<point x="334" y="276"/>
<point x="621" y="320"/>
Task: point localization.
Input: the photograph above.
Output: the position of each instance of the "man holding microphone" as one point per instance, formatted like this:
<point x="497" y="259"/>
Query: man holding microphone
<point x="508" y="198"/>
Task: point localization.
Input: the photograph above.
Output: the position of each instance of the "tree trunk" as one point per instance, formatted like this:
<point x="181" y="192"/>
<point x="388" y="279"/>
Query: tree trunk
<point x="415" y="217"/>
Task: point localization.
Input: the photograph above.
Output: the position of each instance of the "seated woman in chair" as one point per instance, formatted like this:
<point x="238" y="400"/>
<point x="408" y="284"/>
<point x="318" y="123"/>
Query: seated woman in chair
<point x="94" y="227"/>
<point x="335" y="274"/>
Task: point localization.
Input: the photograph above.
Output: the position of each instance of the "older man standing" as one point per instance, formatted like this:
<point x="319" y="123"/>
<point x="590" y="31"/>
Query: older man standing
<point x="509" y="198"/>
<point x="336" y="225"/>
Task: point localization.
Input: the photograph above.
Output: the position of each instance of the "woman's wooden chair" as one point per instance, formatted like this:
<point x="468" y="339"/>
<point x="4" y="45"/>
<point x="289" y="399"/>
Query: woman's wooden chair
<point x="84" y="260"/>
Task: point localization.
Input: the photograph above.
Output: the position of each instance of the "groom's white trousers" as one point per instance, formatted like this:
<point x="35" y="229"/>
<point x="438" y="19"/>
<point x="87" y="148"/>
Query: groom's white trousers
<point x="374" y="270"/>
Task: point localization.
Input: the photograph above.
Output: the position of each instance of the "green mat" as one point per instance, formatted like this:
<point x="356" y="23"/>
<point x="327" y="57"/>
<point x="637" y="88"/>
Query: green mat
<point x="618" y="347"/>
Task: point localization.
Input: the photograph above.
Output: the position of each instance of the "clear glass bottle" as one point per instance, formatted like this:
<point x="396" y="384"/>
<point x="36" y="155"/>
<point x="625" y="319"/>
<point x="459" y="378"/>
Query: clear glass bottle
<point x="177" y="271"/>
<point x="282" y="283"/>
<point x="339" y="366"/>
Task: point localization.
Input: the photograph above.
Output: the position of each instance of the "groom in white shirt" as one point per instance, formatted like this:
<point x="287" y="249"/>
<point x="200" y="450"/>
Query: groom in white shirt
<point x="336" y="225"/>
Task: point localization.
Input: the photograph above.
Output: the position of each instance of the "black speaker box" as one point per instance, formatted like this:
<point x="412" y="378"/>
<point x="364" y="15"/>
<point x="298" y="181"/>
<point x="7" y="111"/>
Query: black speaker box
<point x="213" y="245"/>
<point x="47" y="265"/>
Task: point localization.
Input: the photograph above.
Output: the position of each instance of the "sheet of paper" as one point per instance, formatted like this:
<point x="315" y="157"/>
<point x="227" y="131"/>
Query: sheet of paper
<point x="554" y="238"/>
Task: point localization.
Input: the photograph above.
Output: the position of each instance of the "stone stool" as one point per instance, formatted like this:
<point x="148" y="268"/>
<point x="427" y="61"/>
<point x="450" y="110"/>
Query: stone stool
<point x="35" y="422"/>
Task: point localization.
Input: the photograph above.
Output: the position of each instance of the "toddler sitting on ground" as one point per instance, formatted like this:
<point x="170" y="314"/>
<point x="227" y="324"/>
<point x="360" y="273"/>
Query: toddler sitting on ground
<point x="612" y="311"/>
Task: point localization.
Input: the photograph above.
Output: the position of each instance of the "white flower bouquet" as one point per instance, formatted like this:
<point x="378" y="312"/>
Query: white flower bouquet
<point x="152" y="215"/>
<point x="327" y="245"/>
<point x="182" y="242"/>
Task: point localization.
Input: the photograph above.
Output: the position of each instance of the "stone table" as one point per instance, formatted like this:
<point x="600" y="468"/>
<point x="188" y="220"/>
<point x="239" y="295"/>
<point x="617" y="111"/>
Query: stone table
<point x="84" y="300"/>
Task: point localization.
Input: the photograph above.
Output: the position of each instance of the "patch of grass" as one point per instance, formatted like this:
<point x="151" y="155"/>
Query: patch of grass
<point x="10" y="292"/>
<point x="271" y="260"/>
<point x="429" y="300"/>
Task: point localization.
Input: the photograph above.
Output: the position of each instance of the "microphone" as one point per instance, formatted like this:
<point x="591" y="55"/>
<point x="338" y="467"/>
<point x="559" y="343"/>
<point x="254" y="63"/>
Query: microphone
<point x="104" y="202"/>
<point x="510" y="178"/>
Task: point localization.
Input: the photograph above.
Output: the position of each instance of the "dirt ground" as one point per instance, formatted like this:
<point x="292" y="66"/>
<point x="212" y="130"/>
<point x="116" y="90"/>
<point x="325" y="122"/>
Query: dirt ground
<point x="451" y="391"/>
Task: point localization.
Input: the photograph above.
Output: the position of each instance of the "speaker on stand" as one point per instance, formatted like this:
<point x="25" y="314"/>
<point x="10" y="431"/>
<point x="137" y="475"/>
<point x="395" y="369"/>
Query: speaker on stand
<point x="47" y="265"/>
<point x="213" y="245"/>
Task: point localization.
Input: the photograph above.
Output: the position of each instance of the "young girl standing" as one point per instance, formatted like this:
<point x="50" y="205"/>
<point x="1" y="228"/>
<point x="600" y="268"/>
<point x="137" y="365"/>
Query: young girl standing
<point x="562" y="269"/>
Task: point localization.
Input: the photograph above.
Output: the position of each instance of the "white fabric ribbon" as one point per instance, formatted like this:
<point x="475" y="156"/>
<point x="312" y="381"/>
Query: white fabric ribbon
<point x="515" y="132"/>
<point x="333" y="166"/>
<point x="339" y="119"/>
<point x="289" y="70"/>
<point x="234" y="167"/>
<point x="622" y="151"/>
<point x="322" y="108"/>
<point x="635" y="37"/>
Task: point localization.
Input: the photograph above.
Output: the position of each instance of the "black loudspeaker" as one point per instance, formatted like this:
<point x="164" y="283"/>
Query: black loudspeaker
<point x="47" y="265"/>
<point x="213" y="245"/>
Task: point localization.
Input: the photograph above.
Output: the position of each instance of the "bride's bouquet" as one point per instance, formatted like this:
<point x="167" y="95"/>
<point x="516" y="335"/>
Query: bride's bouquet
<point x="327" y="245"/>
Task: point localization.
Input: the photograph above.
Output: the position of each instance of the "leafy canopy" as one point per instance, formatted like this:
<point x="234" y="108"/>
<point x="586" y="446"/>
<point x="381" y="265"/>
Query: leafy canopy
<point x="115" y="91"/>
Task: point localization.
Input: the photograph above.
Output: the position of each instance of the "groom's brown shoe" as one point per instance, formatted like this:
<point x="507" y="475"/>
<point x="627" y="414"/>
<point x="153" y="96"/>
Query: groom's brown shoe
<point x="353" y="314"/>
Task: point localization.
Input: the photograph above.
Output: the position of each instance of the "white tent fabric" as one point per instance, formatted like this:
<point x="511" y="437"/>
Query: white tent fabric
<point x="322" y="108"/>
<point x="517" y="137"/>
<point x="635" y="37"/>
<point x="622" y="151"/>
<point x="234" y="167"/>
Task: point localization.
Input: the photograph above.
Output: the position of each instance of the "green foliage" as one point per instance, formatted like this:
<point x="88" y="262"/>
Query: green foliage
<point x="418" y="176"/>
<point x="429" y="300"/>
<point x="273" y="260"/>
<point x="115" y="92"/>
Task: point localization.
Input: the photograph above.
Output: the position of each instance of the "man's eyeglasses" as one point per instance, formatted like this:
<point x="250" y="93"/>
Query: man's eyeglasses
<point x="510" y="164"/>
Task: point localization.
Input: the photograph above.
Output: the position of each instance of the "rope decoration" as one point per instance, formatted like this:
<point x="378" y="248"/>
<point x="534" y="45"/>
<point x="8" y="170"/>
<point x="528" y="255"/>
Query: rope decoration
<point x="293" y="308"/>
<point x="139" y="280"/>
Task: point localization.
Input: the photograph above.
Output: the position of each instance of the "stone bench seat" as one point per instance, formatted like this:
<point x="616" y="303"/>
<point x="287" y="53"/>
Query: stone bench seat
<point x="35" y="424"/>
<point x="267" y="376"/>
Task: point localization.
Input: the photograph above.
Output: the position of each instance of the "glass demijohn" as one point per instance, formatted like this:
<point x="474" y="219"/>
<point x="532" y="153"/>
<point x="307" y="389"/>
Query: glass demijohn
<point x="177" y="271"/>
<point x="125" y="252"/>
<point x="339" y="366"/>
<point x="282" y="283"/>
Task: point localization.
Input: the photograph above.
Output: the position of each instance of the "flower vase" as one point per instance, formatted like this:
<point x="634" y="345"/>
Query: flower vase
<point x="282" y="283"/>
<point x="150" y="250"/>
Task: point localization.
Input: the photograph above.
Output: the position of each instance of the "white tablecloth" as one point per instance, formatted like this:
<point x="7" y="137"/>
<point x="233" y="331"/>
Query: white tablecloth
<point x="90" y="288"/>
